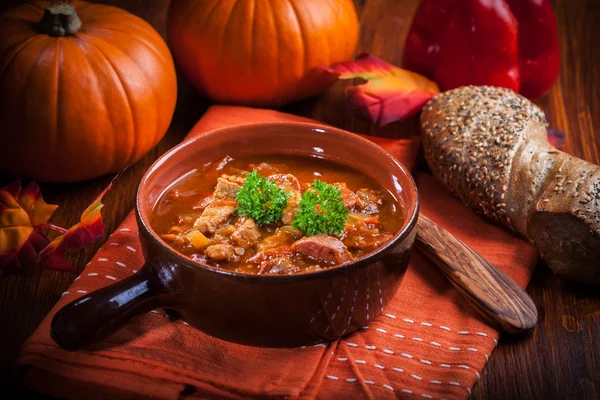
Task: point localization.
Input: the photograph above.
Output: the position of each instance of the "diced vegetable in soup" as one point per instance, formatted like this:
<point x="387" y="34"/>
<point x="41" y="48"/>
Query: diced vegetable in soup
<point x="276" y="214"/>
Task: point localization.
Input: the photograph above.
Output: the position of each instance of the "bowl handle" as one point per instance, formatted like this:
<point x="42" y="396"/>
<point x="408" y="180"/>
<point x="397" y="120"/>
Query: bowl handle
<point x="99" y="313"/>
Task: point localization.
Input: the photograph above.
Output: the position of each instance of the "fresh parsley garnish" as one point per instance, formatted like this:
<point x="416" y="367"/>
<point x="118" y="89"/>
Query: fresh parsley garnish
<point x="261" y="199"/>
<point x="321" y="210"/>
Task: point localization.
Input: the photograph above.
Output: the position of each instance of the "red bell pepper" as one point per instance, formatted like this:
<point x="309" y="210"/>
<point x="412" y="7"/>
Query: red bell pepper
<point x="422" y="48"/>
<point x="479" y="46"/>
<point x="508" y="43"/>
<point x="539" y="56"/>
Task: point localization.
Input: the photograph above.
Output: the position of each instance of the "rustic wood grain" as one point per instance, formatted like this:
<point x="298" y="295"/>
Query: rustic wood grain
<point x="493" y="293"/>
<point x="560" y="360"/>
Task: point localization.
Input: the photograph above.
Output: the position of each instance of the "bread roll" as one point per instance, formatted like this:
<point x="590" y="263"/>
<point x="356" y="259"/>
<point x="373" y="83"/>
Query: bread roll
<point x="489" y="146"/>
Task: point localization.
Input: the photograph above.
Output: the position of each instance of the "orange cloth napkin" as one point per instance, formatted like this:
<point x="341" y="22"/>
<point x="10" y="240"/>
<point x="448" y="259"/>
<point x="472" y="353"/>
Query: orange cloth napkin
<point x="428" y="344"/>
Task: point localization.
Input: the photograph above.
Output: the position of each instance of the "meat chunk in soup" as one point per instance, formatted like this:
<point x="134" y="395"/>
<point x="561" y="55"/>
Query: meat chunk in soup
<point x="290" y="184"/>
<point x="283" y="268"/>
<point x="223" y="205"/>
<point x="276" y="260"/>
<point x="246" y="233"/>
<point x="228" y="186"/>
<point x="364" y="200"/>
<point x="221" y="252"/>
<point x="368" y="201"/>
<point x="323" y="249"/>
<point x="349" y="198"/>
<point x="213" y="217"/>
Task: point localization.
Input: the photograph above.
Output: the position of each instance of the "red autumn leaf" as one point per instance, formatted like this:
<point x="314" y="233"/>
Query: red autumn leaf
<point x="23" y="213"/>
<point x="89" y="229"/>
<point x="390" y="93"/>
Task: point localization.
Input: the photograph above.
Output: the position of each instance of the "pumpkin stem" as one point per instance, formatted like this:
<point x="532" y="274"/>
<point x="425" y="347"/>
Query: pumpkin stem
<point x="59" y="19"/>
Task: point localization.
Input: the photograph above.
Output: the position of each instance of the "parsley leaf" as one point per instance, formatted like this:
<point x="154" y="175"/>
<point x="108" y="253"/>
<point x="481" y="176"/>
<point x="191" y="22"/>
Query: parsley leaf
<point x="261" y="199"/>
<point x="321" y="210"/>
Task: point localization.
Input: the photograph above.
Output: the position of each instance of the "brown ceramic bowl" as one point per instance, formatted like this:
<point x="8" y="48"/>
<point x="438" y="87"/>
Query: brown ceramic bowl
<point x="262" y="310"/>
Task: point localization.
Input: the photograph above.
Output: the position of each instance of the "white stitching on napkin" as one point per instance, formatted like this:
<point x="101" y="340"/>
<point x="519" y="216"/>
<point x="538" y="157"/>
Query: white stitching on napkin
<point x="400" y="336"/>
<point x="444" y="327"/>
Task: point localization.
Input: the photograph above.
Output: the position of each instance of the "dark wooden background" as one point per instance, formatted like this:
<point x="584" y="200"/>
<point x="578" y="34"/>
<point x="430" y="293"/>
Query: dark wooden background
<point x="560" y="360"/>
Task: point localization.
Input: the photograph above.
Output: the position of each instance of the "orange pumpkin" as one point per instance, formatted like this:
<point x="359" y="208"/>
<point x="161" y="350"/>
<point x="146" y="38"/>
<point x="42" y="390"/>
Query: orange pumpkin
<point x="260" y="52"/>
<point x="85" y="90"/>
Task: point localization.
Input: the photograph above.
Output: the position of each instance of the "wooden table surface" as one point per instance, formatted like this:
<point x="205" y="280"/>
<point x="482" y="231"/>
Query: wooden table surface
<point x="560" y="360"/>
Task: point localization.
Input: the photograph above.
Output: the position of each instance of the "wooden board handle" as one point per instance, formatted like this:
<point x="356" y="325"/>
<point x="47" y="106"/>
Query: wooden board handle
<point x="493" y="293"/>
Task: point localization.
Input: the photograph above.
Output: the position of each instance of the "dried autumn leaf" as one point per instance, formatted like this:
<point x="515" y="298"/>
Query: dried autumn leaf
<point x="390" y="93"/>
<point x="23" y="213"/>
<point x="89" y="229"/>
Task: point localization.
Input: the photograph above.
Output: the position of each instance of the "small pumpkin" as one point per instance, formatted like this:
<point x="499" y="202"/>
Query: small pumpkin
<point x="85" y="90"/>
<point x="260" y="52"/>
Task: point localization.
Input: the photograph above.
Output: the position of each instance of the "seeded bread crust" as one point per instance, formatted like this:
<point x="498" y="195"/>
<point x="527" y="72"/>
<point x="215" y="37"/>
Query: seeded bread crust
<point x="489" y="146"/>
